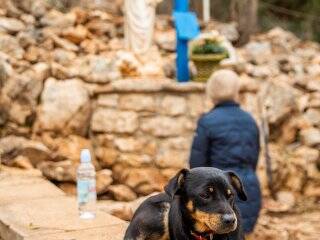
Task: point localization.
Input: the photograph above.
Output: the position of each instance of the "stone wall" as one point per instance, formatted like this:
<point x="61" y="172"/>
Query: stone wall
<point x="146" y="132"/>
<point x="138" y="130"/>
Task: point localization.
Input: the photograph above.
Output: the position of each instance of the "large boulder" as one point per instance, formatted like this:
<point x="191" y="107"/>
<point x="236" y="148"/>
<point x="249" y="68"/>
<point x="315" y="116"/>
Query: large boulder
<point x="64" y="43"/>
<point x="312" y="116"/>
<point x="108" y="100"/>
<point x="62" y="56"/>
<point x="102" y="27"/>
<point x="66" y="158"/>
<point x="106" y="156"/>
<point x="134" y="160"/>
<point x="99" y="69"/>
<point x="176" y="143"/>
<point x="69" y="148"/>
<point x="10" y="46"/>
<point x="114" y="121"/>
<point x="173" y="105"/>
<point x="23" y="90"/>
<point x="75" y="34"/>
<point x="122" y="193"/>
<point x="310" y="155"/>
<point x="142" y="180"/>
<point x="172" y="159"/>
<point x="161" y="126"/>
<point x="58" y="19"/>
<point x="65" y="107"/>
<point x="63" y="171"/>
<point x="279" y="101"/>
<point x="310" y="137"/>
<point x="36" y="7"/>
<point x="123" y="210"/>
<point x="90" y="68"/>
<point x="129" y="144"/>
<point x="104" y="180"/>
<point x="138" y="102"/>
<point x="11" y="25"/>
<point x="259" y="52"/>
<point x="33" y="151"/>
<point x="196" y="104"/>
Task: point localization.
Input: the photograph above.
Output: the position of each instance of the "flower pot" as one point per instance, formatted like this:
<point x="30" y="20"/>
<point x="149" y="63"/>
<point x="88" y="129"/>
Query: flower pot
<point x="206" y="64"/>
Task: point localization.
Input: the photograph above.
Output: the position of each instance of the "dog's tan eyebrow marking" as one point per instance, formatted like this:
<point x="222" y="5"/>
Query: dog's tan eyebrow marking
<point x="190" y="206"/>
<point x="211" y="189"/>
<point x="229" y="192"/>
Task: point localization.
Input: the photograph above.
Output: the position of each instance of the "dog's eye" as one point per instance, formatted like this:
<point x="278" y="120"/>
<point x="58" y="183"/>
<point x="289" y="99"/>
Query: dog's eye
<point x="205" y="195"/>
<point x="229" y="193"/>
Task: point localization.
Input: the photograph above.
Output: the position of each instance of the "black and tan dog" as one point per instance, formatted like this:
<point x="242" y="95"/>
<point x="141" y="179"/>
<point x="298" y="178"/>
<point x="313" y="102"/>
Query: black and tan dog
<point x="198" y="204"/>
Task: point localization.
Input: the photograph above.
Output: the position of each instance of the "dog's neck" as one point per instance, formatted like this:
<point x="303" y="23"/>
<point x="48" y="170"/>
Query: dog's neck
<point x="177" y="227"/>
<point x="181" y="225"/>
<point x="208" y="236"/>
<point x="198" y="236"/>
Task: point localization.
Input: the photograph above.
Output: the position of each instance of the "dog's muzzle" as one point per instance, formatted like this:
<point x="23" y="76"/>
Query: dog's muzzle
<point x="228" y="223"/>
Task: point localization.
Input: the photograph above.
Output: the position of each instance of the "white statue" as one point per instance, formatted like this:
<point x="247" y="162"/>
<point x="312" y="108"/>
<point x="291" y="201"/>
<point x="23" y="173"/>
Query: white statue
<point x="139" y="24"/>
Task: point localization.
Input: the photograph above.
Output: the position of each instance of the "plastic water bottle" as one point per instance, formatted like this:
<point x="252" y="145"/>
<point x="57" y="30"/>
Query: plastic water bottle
<point x="86" y="186"/>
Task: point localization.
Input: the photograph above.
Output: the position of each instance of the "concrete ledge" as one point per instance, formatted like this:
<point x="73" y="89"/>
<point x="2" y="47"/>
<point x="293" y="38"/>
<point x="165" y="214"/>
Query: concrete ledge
<point x="145" y="86"/>
<point x="114" y="232"/>
<point x="22" y="191"/>
<point x="32" y="208"/>
<point x="49" y="216"/>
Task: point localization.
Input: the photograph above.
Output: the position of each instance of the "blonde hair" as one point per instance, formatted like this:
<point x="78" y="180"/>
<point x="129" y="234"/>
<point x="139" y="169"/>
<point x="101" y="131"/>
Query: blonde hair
<point x="223" y="85"/>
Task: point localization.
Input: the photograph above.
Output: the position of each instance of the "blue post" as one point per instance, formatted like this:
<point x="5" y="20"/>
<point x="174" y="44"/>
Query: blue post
<point x="181" y="5"/>
<point x="182" y="61"/>
<point x="182" y="46"/>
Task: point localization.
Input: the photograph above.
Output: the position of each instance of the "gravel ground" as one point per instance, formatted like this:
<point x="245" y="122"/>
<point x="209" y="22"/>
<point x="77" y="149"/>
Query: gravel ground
<point x="299" y="223"/>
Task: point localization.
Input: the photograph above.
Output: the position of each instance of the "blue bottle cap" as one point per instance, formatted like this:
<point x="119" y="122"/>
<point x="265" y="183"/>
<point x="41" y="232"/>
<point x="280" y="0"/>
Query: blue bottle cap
<point x="85" y="156"/>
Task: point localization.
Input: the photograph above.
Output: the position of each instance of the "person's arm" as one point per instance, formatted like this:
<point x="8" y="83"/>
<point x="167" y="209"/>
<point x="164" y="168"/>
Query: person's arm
<point x="200" y="147"/>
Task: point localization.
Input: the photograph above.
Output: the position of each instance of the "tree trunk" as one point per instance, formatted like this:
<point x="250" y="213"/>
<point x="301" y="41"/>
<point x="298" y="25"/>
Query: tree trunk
<point x="196" y="6"/>
<point x="165" y="7"/>
<point x="244" y="12"/>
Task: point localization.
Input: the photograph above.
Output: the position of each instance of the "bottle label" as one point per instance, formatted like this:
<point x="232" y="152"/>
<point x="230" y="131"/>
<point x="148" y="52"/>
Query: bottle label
<point x="86" y="191"/>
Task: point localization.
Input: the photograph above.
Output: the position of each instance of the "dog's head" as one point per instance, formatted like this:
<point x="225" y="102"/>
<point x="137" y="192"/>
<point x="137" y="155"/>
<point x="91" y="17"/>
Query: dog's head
<point x="208" y="195"/>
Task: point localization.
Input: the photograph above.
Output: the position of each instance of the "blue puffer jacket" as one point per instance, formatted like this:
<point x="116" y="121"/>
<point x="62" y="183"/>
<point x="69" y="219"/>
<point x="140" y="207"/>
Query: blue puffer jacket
<point x="228" y="138"/>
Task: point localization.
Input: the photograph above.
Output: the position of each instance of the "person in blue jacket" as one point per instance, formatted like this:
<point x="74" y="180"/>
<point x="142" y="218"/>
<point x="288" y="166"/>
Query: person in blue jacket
<point x="227" y="137"/>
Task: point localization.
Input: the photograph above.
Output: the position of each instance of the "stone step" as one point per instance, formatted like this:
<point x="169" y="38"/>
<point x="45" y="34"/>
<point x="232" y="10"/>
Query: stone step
<point x="16" y="190"/>
<point x="114" y="232"/>
<point x="32" y="208"/>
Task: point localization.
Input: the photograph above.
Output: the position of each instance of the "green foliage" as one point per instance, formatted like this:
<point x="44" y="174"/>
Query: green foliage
<point x="299" y="16"/>
<point x="209" y="47"/>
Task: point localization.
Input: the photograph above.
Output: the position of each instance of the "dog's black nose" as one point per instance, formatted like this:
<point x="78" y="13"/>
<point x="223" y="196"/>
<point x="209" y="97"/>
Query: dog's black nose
<point x="228" y="219"/>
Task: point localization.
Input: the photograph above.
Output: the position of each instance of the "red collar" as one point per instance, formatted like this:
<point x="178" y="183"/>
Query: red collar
<point x="199" y="237"/>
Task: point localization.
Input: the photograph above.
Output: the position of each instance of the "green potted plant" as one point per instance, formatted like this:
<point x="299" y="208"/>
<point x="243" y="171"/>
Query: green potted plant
<point x="206" y="52"/>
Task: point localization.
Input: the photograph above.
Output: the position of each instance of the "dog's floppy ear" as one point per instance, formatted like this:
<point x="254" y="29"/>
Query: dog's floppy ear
<point x="237" y="185"/>
<point x="176" y="183"/>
